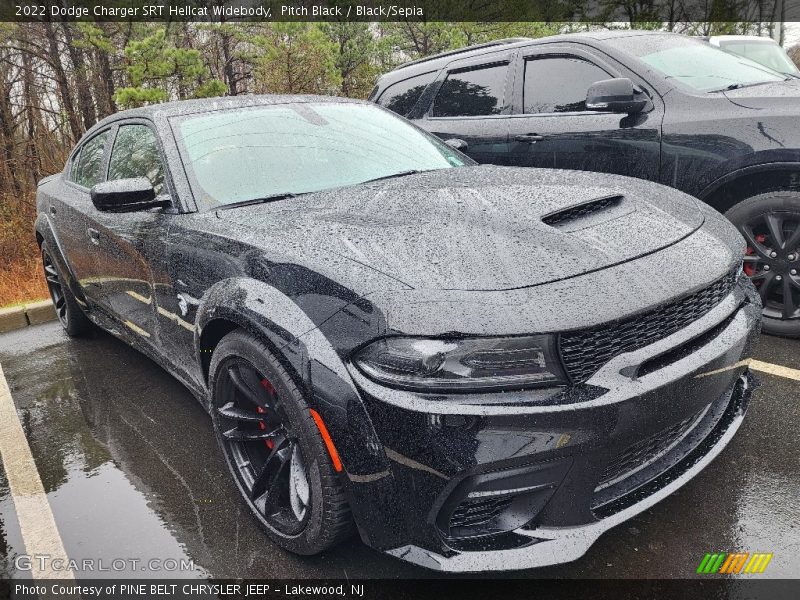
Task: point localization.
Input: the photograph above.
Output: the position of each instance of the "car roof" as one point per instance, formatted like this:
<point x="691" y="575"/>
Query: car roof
<point x="437" y="61"/>
<point x="742" y="38"/>
<point x="186" y="107"/>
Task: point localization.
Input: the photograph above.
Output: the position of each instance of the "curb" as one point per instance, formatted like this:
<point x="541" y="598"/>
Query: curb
<point x="32" y="313"/>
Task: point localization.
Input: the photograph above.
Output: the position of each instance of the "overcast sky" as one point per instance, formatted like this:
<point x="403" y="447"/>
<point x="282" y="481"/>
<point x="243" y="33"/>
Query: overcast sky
<point x="791" y="35"/>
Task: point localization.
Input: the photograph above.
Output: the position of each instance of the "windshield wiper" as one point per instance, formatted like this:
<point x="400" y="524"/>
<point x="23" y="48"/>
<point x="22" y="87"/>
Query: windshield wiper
<point x="271" y="198"/>
<point x="393" y="176"/>
<point x="738" y="86"/>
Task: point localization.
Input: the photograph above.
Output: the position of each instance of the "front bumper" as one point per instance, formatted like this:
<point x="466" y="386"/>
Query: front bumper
<point x="554" y="545"/>
<point x="505" y="481"/>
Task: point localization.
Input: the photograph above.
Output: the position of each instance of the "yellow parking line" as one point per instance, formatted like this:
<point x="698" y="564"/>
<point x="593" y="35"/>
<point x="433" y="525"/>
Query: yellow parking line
<point x="36" y="522"/>
<point x="172" y="316"/>
<point x="778" y="370"/>
<point x="135" y="328"/>
<point x="138" y="297"/>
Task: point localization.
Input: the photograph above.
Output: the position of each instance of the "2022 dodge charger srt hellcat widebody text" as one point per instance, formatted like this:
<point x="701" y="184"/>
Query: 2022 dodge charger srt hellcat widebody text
<point x="657" y="106"/>
<point x="478" y="367"/>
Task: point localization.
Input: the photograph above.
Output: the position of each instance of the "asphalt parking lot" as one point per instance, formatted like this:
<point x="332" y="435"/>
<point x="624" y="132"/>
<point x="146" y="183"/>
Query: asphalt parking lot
<point x="131" y="471"/>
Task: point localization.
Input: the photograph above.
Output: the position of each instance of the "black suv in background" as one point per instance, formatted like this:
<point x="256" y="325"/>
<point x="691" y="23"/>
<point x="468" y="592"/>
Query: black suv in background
<point x="657" y="106"/>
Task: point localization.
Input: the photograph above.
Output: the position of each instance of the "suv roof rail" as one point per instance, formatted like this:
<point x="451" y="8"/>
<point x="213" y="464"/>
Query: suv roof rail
<point x="502" y="42"/>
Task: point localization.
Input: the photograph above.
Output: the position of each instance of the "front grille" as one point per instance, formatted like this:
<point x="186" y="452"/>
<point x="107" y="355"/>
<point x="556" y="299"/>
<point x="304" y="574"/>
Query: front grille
<point x="644" y="451"/>
<point x="477" y="511"/>
<point x="585" y="351"/>
<point x="581" y="210"/>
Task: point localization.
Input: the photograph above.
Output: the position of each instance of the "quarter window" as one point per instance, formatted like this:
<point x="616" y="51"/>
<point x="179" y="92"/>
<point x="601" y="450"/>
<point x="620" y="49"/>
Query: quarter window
<point x="135" y="154"/>
<point x="558" y="84"/>
<point x="88" y="168"/>
<point x="403" y="95"/>
<point x="473" y="92"/>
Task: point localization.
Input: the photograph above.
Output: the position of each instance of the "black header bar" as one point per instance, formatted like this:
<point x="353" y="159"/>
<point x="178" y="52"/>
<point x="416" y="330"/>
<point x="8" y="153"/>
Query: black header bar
<point x="641" y="12"/>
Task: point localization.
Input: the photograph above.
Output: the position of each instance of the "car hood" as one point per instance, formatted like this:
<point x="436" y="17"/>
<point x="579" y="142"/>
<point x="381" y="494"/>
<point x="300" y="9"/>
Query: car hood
<point x="477" y="228"/>
<point x="780" y="95"/>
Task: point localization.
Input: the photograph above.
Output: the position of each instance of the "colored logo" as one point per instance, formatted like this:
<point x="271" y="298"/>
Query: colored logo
<point x="724" y="563"/>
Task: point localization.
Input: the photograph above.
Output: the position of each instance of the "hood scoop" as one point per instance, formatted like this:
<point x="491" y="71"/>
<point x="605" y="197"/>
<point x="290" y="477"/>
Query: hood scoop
<point x="573" y="217"/>
<point x="477" y="229"/>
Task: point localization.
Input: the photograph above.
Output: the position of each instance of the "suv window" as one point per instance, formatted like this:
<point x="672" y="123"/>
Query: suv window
<point x="473" y="92"/>
<point x="401" y="97"/>
<point x="135" y="154"/>
<point x="558" y="84"/>
<point x="87" y="168"/>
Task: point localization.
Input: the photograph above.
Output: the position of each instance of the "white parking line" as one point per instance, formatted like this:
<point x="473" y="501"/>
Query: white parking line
<point x="36" y="522"/>
<point x="778" y="370"/>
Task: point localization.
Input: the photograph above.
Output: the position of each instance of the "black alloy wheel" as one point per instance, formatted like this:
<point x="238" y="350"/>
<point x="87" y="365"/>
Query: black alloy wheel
<point x="266" y="455"/>
<point x="70" y="315"/>
<point x="273" y="447"/>
<point x="56" y="289"/>
<point x="770" y="224"/>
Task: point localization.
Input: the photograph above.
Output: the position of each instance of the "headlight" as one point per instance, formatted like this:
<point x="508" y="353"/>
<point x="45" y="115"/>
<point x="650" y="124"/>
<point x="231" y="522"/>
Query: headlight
<point x="462" y="365"/>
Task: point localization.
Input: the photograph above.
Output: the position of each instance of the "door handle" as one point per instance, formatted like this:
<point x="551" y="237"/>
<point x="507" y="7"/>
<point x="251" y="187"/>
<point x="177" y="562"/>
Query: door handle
<point x="53" y="210"/>
<point x="94" y="235"/>
<point x="531" y="138"/>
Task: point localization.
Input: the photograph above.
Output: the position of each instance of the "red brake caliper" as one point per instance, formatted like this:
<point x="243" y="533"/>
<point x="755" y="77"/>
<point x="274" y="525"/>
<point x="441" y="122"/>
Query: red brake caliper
<point x="750" y="268"/>
<point x="260" y="410"/>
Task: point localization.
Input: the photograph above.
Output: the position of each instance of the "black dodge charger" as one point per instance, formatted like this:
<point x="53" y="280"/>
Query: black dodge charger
<point x="476" y="367"/>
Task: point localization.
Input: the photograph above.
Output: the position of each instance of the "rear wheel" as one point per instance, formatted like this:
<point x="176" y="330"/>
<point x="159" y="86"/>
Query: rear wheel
<point x="770" y="223"/>
<point x="72" y="319"/>
<point x="273" y="448"/>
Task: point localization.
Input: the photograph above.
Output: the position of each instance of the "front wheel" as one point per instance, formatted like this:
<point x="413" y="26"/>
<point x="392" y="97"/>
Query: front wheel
<point x="274" y="449"/>
<point x="770" y="223"/>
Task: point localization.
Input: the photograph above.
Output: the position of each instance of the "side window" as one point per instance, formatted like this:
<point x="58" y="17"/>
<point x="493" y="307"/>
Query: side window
<point x="403" y="95"/>
<point x="474" y="92"/>
<point x="558" y="84"/>
<point x="72" y="164"/>
<point x="135" y="154"/>
<point x="87" y="169"/>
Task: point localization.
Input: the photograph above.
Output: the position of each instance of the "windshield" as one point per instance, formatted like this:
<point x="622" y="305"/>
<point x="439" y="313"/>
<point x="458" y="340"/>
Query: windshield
<point x="246" y="154"/>
<point x="766" y="53"/>
<point x="695" y="63"/>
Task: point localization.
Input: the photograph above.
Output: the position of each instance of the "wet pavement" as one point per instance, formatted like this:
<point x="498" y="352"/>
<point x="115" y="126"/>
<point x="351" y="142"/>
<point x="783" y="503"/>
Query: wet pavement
<point x="131" y="470"/>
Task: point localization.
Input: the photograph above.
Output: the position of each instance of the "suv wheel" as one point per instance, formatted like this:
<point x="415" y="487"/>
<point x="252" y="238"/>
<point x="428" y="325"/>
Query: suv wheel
<point x="274" y="449"/>
<point x="770" y="223"/>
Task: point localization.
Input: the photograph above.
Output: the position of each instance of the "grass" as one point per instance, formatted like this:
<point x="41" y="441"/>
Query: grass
<point x="21" y="276"/>
<point x="22" y="281"/>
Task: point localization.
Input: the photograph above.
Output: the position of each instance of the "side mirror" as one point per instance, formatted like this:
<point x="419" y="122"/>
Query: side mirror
<point x="615" y="95"/>
<point x="457" y="144"/>
<point x="125" y="195"/>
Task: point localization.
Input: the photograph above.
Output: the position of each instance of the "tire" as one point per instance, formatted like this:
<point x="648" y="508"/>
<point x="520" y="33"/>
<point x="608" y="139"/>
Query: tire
<point x="69" y="313"/>
<point x="326" y="518"/>
<point x="770" y="223"/>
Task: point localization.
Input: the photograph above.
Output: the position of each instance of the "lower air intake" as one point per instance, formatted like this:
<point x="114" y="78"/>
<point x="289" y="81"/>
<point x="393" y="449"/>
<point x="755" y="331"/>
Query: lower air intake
<point x="477" y="511"/>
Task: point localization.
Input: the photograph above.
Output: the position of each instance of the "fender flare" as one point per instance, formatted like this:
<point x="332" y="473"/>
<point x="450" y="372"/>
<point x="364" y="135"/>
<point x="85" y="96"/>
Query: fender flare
<point x="268" y="312"/>
<point x="715" y="185"/>
<point x="265" y="311"/>
<point x="45" y="229"/>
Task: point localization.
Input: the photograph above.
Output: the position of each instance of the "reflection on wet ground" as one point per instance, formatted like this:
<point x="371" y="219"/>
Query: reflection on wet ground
<point x="131" y="469"/>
